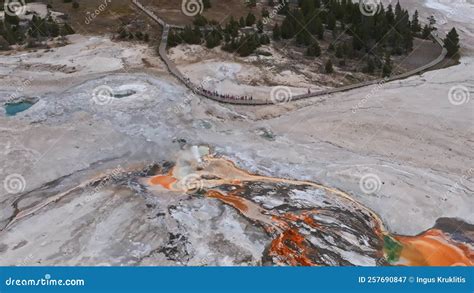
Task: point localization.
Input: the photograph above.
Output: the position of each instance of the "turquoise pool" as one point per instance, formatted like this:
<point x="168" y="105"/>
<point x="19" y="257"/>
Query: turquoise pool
<point x="14" y="108"/>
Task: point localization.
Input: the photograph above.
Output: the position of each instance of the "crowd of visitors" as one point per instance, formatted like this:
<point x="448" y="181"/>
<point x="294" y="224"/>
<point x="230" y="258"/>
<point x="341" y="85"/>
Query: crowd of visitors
<point x="225" y="96"/>
<point x="217" y="94"/>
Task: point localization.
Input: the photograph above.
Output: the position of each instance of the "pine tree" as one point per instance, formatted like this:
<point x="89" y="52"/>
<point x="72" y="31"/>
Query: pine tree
<point x="285" y="7"/>
<point x="10" y="33"/>
<point x="200" y="20"/>
<point x="398" y="11"/>
<point x="53" y="29"/>
<point x="370" y="65"/>
<point x="207" y="4"/>
<point x="241" y="21"/>
<point x="328" y="67"/>
<point x="197" y="35"/>
<point x="213" y="39"/>
<point x="303" y="38"/>
<point x="123" y="34"/>
<point x="297" y="19"/>
<point x="232" y="27"/>
<point x="314" y="50"/>
<point x="425" y="34"/>
<point x="387" y="66"/>
<point x="11" y="18"/>
<point x="408" y="41"/>
<point x="260" y="26"/>
<point x="276" y="32"/>
<point x="339" y="51"/>
<point x="316" y="27"/>
<point x="331" y="21"/>
<point x="390" y="16"/>
<point x="415" y="23"/>
<point x="250" y="19"/>
<point x="432" y="21"/>
<point x="307" y="7"/>
<point x="451" y="43"/>
<point x="244" y="49"/>
<point x="173" y="39"/>
<point x="264" y="39"/>
<point x="248" y="44"/>
<point x="4" y="44"/>
<point x="347" y="48"/>
<point x="287" y="30"/>
<point x="191" y="36"/>
<point x="68" y="30"/>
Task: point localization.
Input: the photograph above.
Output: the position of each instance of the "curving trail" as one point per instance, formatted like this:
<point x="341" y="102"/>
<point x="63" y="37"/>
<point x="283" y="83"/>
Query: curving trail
<point x="175" y="72"/>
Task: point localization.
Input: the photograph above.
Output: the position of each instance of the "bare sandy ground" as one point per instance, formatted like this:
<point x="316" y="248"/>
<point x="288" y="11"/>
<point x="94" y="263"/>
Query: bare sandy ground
<point x="406" y="133"/>
<point x="256" y="75"/>
<point x="252" y="76"/>
<point x="41" y="71"/>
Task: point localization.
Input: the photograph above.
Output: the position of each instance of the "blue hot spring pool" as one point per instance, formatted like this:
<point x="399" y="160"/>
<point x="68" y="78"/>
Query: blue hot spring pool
<point x="14" y="108"/>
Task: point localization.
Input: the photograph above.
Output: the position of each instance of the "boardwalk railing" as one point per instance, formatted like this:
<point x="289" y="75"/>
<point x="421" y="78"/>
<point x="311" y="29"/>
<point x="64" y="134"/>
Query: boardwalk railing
<point x="152" y="15"/>
<point x="197" y="90"/>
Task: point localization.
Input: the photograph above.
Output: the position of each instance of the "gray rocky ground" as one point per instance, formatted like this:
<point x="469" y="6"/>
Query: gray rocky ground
<point x="405" y="133"/>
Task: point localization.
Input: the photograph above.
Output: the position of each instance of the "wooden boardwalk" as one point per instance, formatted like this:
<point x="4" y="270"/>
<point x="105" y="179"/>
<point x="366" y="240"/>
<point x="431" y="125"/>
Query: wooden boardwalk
<point x="197" y="90"/>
